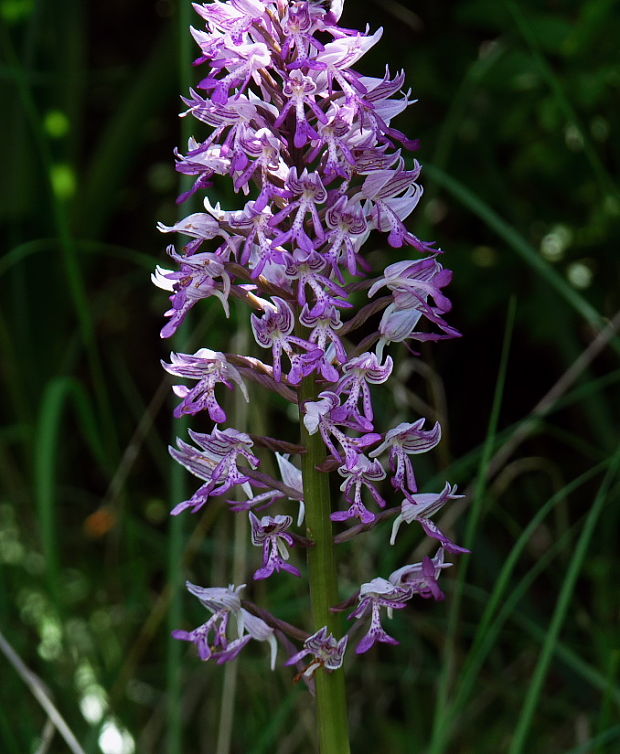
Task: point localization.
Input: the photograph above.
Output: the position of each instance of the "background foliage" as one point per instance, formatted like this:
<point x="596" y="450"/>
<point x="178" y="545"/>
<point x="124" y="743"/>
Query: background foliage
<point x="517" y="116"/>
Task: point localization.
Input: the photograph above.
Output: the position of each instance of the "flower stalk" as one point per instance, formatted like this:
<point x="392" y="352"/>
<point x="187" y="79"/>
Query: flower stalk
<point x="331" y="705"/>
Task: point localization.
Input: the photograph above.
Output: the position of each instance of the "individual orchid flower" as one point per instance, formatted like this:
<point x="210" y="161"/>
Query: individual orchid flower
<point x="306" y="192"/>
<point x="300" y="90"/>
<point x="420" y="508"/>
<point x="345" y="221"/>
<point x="324" y="334"/>
<point x="273" y="330"/>
<point x="363" y="473"/>
<point x="270" y="532"/>
<point x="197" y="279"/>
<point x="359" y="372"/>
<point x="413" y="281"/>
<point x="318" y="415"/>
<point x="422" y="578"/>
<point x="325" y="650"/>
<point x="402" y="441"/>
<point x="208" y="367"/>
<point x="211" y="638"/>
<point x="305" y="267"/>
<point x="244" y="62"/>
<point x="373" y="596"/>
<point x="215" y="462"/>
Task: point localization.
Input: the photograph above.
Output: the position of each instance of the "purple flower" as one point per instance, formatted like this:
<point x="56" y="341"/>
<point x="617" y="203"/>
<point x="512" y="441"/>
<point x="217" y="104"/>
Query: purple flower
<point x="265" y="148"/>
<point x="382" y="189"/>
<point x="420" y="508"/>
<point x="305" y="267"/>
<point x="393" y="594"/>
<point x="243" y="61"/>
<point x="215" y="462"/>
<point x="422" y="578"/>
<point x="412" y="282"/>
<point x="211" y="638"/>
<point x="307" y="145"/>
<point x="358" y="373"/>
<point x="325" y="650"/>
<point x="318" y="415"/>
<point x="208" y="367"/>
<point x="273" y="330"/>
<point x="403" y="441"/>
<point x="323" y="334"/>
<point x="373" y="596"/>
<point x="300" y="90"/>
<point x="253" y="224"/>
<point x="270" y="533"/>
<point x="306" y="192"/>
<point x="200" y="226"/>
<point x="363" y="474"/>
<point x="345" y="220"/>
<point x="197" y="279"/>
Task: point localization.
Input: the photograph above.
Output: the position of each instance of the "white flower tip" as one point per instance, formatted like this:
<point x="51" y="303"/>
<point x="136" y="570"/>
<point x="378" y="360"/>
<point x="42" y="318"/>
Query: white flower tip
<point x="273" y="646"/>
<point x="395" y="527"/>
<point x="159" y="279"/>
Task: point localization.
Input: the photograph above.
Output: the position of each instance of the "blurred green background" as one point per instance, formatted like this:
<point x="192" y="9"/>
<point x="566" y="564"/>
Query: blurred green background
<point x="518" y="117"/>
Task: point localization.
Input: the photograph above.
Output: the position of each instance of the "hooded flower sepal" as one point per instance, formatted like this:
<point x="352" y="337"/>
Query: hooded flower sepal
<point x="270" y="533"/>
<point x="412" y="282"/>
<point x="420" y="508"/>
<point x="211" y="638"/>
<point x="325" y="650"/>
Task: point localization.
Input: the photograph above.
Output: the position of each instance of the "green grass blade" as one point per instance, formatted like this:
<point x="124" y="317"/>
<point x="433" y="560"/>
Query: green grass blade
<point x="559" y="614"/>
<point x="48" y="441"/>
<point x="611" y="734"/>
<point x="516" y="241"/>
<point x="487" y="628"/>
<point x="510" y="612"/>
<point x="606" y="182"/>
<point x="25" y="250"/>
<point x="75" y="282"/>
<point x="606" y="713"/>
<point x="597" y="679"/>
<point x="473" y="519"/>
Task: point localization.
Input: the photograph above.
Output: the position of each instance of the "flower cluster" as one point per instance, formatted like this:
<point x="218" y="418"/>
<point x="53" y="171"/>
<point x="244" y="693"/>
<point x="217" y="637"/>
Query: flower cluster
<point x="307" y="143"/>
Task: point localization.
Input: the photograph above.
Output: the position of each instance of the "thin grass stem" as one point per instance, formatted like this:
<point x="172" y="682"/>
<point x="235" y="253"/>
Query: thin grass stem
<point x="439" y="727"/>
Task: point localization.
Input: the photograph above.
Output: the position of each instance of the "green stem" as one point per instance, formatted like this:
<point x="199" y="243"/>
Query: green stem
<point x="331" y="705"/>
